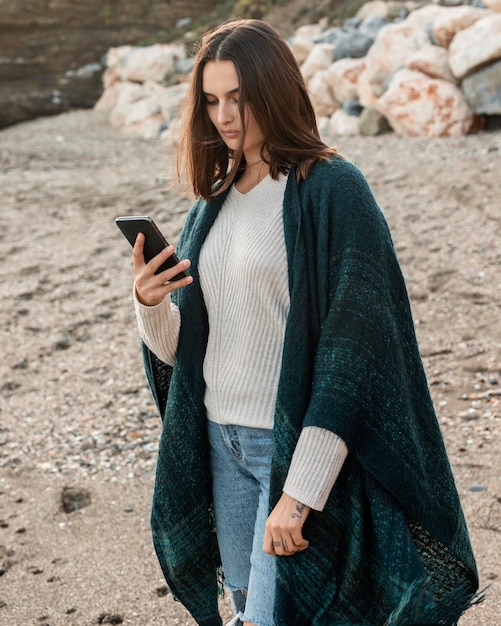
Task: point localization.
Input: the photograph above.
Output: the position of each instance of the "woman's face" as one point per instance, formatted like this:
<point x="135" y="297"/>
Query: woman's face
<point x="220" y="87"/>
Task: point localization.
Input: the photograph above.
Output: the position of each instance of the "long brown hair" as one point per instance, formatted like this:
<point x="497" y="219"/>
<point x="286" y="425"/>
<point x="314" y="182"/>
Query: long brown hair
<point x="271" y="85"/>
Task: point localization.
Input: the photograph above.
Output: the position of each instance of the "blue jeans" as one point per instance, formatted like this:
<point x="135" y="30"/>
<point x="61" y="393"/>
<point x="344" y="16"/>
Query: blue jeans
<point x="241" y="465"/>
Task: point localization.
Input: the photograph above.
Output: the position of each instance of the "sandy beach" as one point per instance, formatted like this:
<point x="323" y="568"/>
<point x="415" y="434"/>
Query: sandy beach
<point x="77" y="421"/>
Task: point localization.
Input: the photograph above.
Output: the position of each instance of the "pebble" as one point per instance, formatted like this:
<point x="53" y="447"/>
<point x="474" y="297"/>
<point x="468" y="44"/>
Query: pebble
<point x="74" y="498"/>
<point x="470" y="414"/>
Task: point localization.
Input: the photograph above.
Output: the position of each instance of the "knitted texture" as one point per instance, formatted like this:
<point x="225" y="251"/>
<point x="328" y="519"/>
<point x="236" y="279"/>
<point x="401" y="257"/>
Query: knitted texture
<point x="243" y="275"/>
<point x="393" y="521"/>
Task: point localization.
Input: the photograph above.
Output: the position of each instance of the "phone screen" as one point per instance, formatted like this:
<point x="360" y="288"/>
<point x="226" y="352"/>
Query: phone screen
<point x="154" y="241"/>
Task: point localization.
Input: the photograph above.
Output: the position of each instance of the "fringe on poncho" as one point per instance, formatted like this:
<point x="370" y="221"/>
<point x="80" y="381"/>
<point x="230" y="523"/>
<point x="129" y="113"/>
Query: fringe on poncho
<point x="391" y="546"/>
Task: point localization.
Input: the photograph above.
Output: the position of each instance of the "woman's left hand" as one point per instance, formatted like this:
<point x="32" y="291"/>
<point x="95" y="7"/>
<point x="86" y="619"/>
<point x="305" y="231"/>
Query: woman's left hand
<point x="283" y="534"/>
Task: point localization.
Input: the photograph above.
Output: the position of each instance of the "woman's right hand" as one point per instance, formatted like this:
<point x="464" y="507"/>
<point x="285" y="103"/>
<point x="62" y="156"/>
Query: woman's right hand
<point x="151" y="288"/>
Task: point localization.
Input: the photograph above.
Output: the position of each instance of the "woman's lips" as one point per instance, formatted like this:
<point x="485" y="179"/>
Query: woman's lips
<point x="230" y="134"/>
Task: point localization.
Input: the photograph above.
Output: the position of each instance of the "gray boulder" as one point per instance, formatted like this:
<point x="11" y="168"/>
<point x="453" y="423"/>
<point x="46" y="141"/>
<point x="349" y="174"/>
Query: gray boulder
<point x="482" y="90"/>
<point x="353" y="45"/>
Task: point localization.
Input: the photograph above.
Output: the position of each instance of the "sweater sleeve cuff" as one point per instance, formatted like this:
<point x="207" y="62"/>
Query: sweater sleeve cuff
<point x="159" y="327"/>
<point x="316" y="463"/>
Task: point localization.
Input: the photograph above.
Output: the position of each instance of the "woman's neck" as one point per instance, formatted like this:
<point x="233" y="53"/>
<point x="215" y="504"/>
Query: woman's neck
<point x="253" y="174"/>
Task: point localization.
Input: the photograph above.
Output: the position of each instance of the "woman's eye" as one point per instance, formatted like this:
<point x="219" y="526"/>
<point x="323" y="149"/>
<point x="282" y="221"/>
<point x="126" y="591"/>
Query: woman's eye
<point x="214" y="102"/>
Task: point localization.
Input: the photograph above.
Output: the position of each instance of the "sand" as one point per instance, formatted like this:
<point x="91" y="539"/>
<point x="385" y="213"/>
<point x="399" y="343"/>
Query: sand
<point x="77" y="422"/>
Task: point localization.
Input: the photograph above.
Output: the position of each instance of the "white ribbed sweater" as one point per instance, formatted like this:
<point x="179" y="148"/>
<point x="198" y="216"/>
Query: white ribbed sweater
<point x="243" y="276"/>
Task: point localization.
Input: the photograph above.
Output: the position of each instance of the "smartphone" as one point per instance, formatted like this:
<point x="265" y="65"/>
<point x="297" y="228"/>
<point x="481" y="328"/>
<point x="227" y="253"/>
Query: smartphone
<point x="154" y="241"/>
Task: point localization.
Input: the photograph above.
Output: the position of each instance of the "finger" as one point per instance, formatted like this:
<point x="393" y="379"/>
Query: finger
<point x="281" y="547"/>
<point x="300" y="543"/>
<point x="138" y="251"/>
<point x="173" y="285"/>
<point x="156" y="292"/>
<point x="299" y="547"/>
<point x="268" y="543"/>
<point x="278" y="548"/>
<point x="287" y="546"/>
<point x="161" y="257"/>
<point x="168" y="274"/>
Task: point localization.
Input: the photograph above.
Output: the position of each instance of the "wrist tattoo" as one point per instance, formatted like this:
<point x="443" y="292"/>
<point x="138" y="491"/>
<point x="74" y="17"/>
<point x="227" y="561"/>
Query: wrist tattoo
<point x="299" y="510"/>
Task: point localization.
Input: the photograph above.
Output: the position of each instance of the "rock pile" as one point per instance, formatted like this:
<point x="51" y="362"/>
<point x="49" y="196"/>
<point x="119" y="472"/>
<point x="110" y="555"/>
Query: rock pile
<point x="418" y="70"/>
<point x="437" y="72"/>
<point x="144" y="87"/>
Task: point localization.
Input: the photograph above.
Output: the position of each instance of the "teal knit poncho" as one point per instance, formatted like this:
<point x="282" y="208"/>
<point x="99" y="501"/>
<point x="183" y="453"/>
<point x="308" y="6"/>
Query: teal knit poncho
<point x="391" y="546"/>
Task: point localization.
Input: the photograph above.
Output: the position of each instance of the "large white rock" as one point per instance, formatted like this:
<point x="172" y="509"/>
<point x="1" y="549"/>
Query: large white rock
<point x="476" y="46"/>
<point x="452" y="20"/>
<point x="301" y="43"/>
<point x="366" y="95"/>
<point x="393" y="46"/>
<point x="343" y="124"/>
<point x="151" y="63"/>
<point x="301" y="48"/>
<point x="136" y="102"/>
<point x="416" y="105"/>
<point x="343" y="76"/>
<point x="425" y="15"/>
<point x="432" y="61"/>
<point x="375" y="8"/>
<point x="171" y="100"/>
<point x="322" y="96"/>
<point x="109" y="77"/>
<point x="115" y="55"/>
<point x="109" y="98"/>
<point x="319" y="58"/>
<point x="311" y="30"/>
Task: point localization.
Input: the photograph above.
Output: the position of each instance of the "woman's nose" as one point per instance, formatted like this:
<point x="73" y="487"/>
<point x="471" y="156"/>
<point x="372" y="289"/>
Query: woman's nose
<point x="224" y="113"/>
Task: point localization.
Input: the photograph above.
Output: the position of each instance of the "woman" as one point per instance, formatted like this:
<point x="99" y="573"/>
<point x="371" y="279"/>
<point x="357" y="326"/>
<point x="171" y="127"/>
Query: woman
<point x="300" y="462"/>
